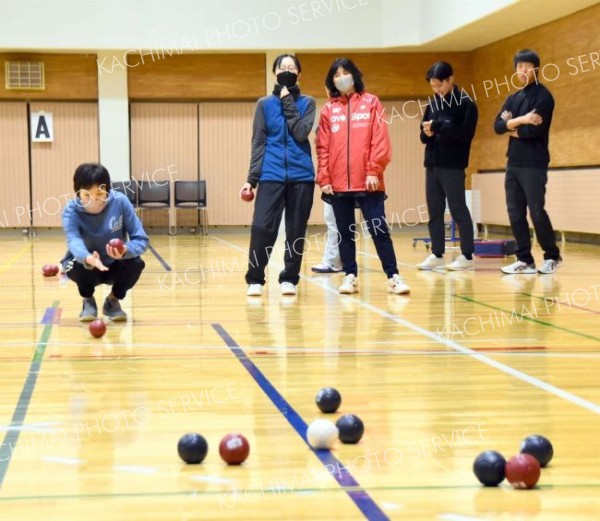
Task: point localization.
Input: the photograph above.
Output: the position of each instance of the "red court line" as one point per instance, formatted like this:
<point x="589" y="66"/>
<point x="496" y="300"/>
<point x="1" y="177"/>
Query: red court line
<point x="513" y="348"/>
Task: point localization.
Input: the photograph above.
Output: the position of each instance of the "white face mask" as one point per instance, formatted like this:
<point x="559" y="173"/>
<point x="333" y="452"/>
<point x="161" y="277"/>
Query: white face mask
<point x="344" y="83"/>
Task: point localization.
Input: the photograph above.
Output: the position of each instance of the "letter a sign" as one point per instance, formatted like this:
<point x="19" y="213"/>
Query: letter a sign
<point x="41" y="127"/>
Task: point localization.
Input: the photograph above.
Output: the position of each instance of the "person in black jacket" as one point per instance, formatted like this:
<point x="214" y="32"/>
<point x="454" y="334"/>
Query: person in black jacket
<point x="526" y="116"/>
<point x="447" y="130"/>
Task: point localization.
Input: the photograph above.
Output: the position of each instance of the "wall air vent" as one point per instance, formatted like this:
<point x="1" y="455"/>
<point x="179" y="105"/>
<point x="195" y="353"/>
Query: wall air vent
<point x="24" y="75"/>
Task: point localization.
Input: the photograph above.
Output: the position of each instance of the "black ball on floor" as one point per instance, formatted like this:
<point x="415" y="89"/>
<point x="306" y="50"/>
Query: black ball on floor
<point x="328" y="399"/>
<point x="350" y="427"/>
<point x="538" y="447"/>
<point x="192" y="448"/>
<point x="489" y="468"/>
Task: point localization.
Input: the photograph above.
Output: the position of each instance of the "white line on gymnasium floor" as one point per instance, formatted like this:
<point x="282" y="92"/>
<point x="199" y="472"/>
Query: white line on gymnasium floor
<point x="552" y="389"/>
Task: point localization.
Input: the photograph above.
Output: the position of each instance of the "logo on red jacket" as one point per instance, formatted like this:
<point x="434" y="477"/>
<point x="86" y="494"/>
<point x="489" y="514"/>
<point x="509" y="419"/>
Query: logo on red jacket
<point x="341" y="117"/>
<point x="357" y="116"/>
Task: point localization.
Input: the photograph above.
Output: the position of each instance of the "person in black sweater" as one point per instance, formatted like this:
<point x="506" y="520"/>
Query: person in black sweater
<point x="526" y="116"/>
<point x="447" y="130"/>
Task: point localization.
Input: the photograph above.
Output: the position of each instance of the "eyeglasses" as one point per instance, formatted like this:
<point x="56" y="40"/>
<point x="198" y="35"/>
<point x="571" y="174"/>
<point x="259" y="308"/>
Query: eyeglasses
<point x="291" y="68"/>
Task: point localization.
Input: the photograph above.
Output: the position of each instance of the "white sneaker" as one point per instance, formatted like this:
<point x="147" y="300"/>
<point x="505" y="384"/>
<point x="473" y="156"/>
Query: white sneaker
<point x="287" y="288"/>
<point x="397" y="285"/>
<point x="519" y="267"/>
<point x="325" y="268"/>
<point x="460" y="263"/>
<point x="254" y="290"/>
<point x="432" y="263"/>
<point x="550" y="266"/>
<point x="349" y="285"/>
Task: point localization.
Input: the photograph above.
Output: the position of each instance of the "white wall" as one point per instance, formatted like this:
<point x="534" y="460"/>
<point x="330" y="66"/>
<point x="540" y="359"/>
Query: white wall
<point x="441" y="17"/>
<point x="210" y="25"/>
<point x="113" y="120"/>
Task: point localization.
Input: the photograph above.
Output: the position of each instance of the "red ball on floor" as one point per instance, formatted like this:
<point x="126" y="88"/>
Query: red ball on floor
<point x="234" y="449"/>
<point x="97" y="328"/>
<point x="522" y="471"/>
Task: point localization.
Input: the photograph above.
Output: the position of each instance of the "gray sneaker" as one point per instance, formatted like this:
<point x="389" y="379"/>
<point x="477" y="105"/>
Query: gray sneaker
<point x="89" y="311"/>
<point x="112" y="309"/>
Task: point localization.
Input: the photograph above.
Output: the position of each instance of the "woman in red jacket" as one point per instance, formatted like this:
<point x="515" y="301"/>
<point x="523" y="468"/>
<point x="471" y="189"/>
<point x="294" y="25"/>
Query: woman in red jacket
<point x="353" y="149"/>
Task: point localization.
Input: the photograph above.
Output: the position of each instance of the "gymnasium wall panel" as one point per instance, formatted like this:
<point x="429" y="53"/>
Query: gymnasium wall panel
<point x="53" y="164"/>
<point x="387" y="75"/>
<point x="67" y="77"/>
<point x="566" y="190"/>
<point x="570" y="67"/>
<point x="405" y="176"/>
<point x="164" y="148"/>
<point x="196" y="76"/>
<point x="225" y="136"/>
<point x="14" y="165"/>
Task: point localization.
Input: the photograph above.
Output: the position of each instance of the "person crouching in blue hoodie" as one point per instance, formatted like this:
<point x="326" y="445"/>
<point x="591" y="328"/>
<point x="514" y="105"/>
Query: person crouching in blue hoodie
<point x="96" y="215"/>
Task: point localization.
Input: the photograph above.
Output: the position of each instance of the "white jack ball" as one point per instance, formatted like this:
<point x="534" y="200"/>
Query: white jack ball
<point x="322" y="434"/>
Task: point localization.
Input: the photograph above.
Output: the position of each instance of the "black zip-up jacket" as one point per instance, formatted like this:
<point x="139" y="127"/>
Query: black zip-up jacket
<point x="530" y="149"/>
<point x="454" y="121"/>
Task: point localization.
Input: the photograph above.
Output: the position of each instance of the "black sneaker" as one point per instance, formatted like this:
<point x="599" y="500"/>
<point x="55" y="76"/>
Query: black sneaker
<point x="89" y="311"/>
<point x="112" y="309"/>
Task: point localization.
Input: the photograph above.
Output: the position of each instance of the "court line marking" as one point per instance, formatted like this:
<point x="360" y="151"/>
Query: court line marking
<point x="162" y="261"/>
<point x="554" y="299"/>
<point x="360" y="496"/>
<point x="323" y="351"/>
<point x="261" y="491"/>
<point x="536" y="382"/>
<point x="12" y="436"/>
<point x="530" y="319"/>
<point x="14" y="258"/>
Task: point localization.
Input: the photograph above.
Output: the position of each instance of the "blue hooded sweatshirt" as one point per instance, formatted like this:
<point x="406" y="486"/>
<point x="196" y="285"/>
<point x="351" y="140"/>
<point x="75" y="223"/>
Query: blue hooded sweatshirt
<point x="87" y="232"/>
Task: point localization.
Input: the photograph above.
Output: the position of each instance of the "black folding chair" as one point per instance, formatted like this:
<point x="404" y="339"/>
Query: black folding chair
<point x="191" y="195"/>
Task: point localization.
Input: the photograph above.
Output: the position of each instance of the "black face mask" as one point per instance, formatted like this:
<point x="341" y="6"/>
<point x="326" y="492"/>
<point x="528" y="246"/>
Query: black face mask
<point x="287" y="79"/>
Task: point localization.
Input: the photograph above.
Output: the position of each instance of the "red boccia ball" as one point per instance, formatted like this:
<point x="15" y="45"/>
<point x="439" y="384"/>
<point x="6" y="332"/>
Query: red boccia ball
<point x="247" y="195"/>
<point x="97" y="328"/>
<point x="49" y="270"/>
<point x="522" y="471"/>
<point x="117" y="244"/>
<point x="234" y="449"/>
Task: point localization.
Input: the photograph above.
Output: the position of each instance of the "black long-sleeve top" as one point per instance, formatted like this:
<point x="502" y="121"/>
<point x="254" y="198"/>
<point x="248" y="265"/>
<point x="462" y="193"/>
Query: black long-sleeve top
<point x="530" y="149"/>
<point x="454" y="119"/>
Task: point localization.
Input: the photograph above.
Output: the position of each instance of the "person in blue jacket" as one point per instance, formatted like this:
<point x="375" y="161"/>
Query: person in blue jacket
<point x="282" y="167"/>
<point x="96" y="215"/>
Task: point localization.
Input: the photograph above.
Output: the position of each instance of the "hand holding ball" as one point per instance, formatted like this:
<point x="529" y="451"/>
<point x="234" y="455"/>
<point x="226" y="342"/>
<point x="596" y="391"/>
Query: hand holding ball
<point x="247" y="194"/>
<point x="118" y="245"/>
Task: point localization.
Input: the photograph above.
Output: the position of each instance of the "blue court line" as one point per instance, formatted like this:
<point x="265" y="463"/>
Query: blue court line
<point x="12" y="436"/>
<point x="49" y="316"/>
<point x="360" y="497"/>
<point x="163" y="262"/>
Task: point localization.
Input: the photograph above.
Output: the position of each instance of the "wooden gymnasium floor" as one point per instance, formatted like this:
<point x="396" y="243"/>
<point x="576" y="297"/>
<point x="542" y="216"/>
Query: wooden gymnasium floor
<point x="470" y="361"/>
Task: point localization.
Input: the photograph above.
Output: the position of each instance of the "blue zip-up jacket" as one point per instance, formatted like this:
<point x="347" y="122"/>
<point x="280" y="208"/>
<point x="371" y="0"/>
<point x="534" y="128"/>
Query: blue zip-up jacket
<point x="87" y="232"/>
<point x="280" y="147"/>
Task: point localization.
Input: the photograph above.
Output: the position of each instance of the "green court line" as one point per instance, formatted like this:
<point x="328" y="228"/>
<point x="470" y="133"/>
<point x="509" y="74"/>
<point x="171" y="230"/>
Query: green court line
<point x="552" y="300"/>
<point x="535" y="320"/>
<point x="12" y="436"/>
<point x="279" y="491"/>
